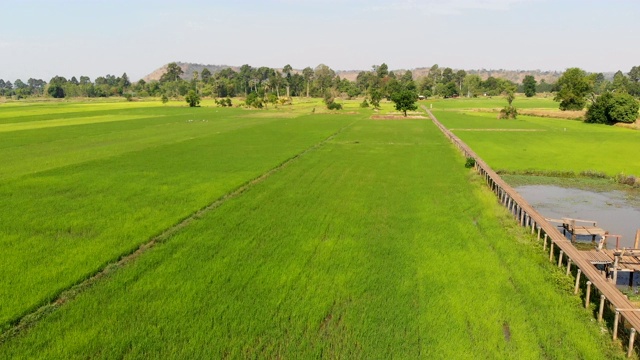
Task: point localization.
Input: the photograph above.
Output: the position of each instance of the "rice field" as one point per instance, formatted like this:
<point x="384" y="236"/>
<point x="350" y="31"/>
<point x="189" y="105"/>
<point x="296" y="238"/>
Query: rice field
<point x="540" y="144"/>
<point x="360" y="239"/>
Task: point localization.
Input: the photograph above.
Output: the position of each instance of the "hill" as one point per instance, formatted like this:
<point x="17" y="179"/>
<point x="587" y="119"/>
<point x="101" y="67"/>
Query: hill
<point x="188" y="69"/>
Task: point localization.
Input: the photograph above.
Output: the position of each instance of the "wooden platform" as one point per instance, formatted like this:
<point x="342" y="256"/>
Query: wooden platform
<point x="629" y="260"/>
<point x="602" y="257"/>
<point x="577" y="227"/>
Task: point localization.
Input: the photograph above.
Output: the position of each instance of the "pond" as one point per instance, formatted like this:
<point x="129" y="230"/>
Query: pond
<point x="614" y="211"/>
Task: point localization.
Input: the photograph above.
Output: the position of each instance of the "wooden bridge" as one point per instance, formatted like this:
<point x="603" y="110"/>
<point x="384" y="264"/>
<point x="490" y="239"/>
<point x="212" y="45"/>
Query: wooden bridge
<point x="559" y="246"/>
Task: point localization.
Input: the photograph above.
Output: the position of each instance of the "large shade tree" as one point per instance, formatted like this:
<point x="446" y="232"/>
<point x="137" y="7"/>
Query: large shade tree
<point x="405" y="100"/>
<point x="573" y="87"/>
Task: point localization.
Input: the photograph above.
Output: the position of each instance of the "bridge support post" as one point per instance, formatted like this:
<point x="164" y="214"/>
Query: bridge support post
<point x="560" y="258"/>
<point x="601" y="309"/>
<point x="577" y="287"/>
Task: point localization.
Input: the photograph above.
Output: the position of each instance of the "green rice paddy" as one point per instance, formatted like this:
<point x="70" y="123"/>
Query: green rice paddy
<point x="369" y="240"/>
<point x="538" y="144"/>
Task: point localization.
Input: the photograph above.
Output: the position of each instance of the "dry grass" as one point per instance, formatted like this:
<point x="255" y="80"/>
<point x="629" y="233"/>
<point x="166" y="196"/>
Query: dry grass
<point x="548" y="113"/>
<point x="396" y="117"/>
<point x="634" y="126"/>
<point x="553" y="113"/>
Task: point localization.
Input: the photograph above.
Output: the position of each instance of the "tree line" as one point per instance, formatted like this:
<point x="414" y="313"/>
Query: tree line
<point x="607" y="101"/>
<point x="263" y="85"/>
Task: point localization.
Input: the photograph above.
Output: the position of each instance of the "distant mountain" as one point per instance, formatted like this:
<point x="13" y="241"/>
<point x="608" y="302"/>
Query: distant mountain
<point x="514" y="75"/>
<point x="188" y="69"/>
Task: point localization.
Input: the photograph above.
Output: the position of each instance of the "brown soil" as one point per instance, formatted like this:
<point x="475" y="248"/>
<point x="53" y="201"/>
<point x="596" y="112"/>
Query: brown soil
<point x="396" y="117"/>
<point x="498" y="130"/>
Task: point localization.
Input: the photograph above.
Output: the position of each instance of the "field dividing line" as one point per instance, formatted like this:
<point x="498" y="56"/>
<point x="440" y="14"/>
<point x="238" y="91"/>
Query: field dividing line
<point x="65" y="295"/>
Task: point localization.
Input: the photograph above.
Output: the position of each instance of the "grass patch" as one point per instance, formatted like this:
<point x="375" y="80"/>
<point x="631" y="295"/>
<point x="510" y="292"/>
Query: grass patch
<point x="66" y="216"/>
<point x="564" y="147"/>
<point x="377" y="244"/>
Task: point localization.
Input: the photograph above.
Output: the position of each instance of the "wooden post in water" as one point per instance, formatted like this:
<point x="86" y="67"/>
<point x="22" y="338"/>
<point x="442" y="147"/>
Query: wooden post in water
<point x="588" y="295"/>
<point x="577" y="287"/>
<point x="560" y="258"/>
<point x="616" y="319"/>
<point x="601" y="309"/>
<point x="551" y="251"/>
<point x="635" y="243"/>
<point x="568" y="266"/>
<point x="632" y="338"/>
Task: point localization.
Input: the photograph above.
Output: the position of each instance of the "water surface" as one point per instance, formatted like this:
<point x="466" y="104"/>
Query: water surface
<point x="614" y="211"/>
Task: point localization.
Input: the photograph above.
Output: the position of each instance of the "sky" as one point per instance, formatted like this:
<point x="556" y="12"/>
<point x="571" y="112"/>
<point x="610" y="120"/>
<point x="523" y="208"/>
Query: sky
<point x="44" y="38"/>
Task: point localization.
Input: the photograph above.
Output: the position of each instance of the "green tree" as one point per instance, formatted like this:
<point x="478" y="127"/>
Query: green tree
<point x="634" y="81"/>
<point x="286" y="70"/>
<point x="124" y="82"/>
<point x="459" y="77"/>
<point x="447" y="75"/>
<point x="529" y="83"/>
<point x="56" y="87"/>
<point x="610" y="108"/>
<point x="375" y="96"/>
<point x="173" y="73"/>
<point x="307" y="73"/>
<point x="509" y="111"/>
<point x="620" y="82"/>
<point x="573" y="87"/>
<point x="405" y="100"/>
<point x="407" y="81"/>
<point x="192" y="98"/>
<point x="205" y="75"/>
<point x="323" y="76"/>
<point x="472" y="85"/>
<point x="381" y="71"/>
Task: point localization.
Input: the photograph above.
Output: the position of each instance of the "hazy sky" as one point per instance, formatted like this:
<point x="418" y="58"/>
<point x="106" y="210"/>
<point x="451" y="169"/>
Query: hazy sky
<point x="43" y="38"/>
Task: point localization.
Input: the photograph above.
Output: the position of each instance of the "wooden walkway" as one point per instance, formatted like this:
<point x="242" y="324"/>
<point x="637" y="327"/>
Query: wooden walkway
<point x="528" y="216"/>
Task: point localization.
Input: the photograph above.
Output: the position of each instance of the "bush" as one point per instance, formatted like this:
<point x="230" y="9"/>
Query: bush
<point x="334" y="106"/>
<point x="624" y="108"/>
<point x="471" y="162"/>
<point x="626" y="179"/>
<point x="610" y="108"/>
<point x="330" y="102"/>
<point x="508" y="112"/>
<point x="192" y="98"/>
<point x="254" y="100"/>
<point x="223" y="102"/>
<point x="364" y="104"/>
